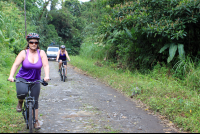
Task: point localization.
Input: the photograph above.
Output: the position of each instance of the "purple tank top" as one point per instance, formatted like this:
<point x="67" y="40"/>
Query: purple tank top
<point x="30" y="71"/>
<point x="62" y="57"/>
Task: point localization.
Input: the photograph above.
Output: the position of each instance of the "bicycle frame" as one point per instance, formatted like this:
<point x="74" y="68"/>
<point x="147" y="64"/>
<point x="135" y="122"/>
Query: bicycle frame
<point x="62" y="71"/>
<point x="25" y="109"/>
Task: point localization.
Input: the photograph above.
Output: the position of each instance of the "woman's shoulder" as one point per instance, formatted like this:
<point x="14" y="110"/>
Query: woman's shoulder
<point x="41" y="51"/>
<point x="23" y="51"/>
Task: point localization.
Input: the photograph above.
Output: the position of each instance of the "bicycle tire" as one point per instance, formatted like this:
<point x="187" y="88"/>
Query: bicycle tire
<point x="30" y="119"/>
<point x="64" y="75"/>
<point x="61" y="74"/>
<point x="25" y="115"/>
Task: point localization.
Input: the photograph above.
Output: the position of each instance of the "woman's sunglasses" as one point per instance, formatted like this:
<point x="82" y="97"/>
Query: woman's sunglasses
<point x="36" y="43"/>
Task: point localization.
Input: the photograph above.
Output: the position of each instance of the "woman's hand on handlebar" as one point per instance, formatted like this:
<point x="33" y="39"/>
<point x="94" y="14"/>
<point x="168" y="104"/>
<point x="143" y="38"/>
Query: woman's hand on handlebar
<point x="46" y="79"/>
<point x="11" y="79"/>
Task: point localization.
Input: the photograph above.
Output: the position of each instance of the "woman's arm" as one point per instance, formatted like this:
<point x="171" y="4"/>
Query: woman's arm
<point x="45" y="65"/>
<point x="67" y="55"/>
<point x="58" y="55"/>
<point x="20" y="57"/>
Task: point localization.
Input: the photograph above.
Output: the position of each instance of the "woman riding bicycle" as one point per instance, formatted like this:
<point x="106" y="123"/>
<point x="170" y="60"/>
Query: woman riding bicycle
<point x="62" y="56"/>
<point x="32" y="60"/>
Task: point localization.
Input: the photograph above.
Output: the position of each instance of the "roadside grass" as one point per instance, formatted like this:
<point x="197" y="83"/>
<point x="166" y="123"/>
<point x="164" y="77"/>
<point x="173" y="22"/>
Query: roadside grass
<point x="176" y="100"/>
<point x="11" y="121"/>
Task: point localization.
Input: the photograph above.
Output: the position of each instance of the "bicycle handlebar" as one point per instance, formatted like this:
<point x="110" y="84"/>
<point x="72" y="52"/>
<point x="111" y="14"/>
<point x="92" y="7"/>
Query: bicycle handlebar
<point x="44" y="83"/>
<point x="63" y="61"/>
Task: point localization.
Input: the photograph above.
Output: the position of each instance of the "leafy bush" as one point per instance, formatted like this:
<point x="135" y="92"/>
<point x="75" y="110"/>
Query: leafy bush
<point x="141" y="31"/>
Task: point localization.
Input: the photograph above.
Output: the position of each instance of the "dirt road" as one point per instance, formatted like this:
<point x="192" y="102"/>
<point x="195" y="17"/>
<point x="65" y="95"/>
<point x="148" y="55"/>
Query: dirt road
<point x="83" y="104"/>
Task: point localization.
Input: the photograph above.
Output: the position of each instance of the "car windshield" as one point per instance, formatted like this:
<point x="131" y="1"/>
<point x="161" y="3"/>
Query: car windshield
<point x="54" y="49"/>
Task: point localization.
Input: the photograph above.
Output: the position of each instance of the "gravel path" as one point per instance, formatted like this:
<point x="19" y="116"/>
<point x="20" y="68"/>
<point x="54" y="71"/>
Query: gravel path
<point x="84" y="105"/>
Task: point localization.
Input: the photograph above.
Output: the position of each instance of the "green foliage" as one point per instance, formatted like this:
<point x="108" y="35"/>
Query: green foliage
<point x="11" y="42"/>
<point x="11" y="30"/>
<point x="151" y="27"/>
<point x="73" y="6"/>
<point x="68" y="25"/>
<point x="172" y="51"/>
<point x="123" y="35"/>
<point x="193" y="80"/>
<point x="48" y="34"/>
<point x="37" y="22"/>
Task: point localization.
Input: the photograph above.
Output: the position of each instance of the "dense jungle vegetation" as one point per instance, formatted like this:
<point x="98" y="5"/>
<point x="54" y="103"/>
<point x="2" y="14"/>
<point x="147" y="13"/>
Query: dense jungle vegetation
<point x="159" y="39"/>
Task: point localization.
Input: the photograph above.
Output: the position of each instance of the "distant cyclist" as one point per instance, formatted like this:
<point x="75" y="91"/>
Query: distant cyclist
<point x="32" y="59"/>
<point x="62" y="56"/>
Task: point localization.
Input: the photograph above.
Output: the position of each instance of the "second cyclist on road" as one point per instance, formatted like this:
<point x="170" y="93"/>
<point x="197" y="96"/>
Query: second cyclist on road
<point x="62" y="56"/>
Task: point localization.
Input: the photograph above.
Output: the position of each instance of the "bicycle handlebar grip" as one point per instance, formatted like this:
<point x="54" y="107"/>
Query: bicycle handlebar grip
<point x="44" y="83"/>
<point x="14" y="80"/>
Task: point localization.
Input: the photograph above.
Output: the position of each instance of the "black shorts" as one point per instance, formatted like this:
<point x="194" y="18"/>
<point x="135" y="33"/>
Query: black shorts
<point x="22" y="91"/>
<point x="65" y="61"/>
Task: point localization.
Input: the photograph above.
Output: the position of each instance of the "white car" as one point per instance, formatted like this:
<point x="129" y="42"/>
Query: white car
<point x="52" y="52"/>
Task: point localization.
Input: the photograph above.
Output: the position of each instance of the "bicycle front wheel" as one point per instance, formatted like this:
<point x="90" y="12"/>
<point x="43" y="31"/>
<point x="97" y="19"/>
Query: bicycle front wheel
<point x="64" y="75"/>
<point x="61" y="74"/>
<point x="30" y="119"/>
